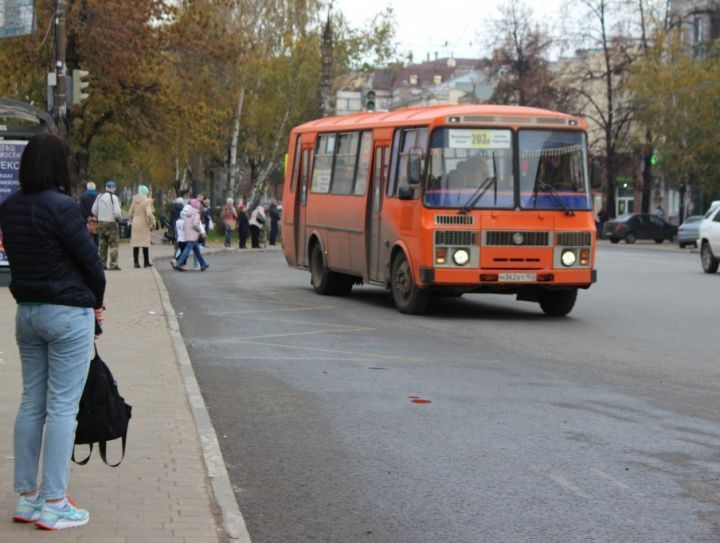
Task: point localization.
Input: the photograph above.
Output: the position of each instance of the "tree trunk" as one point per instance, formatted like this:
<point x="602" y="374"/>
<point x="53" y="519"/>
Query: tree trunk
<point x="647" y="180"/>
<point x="232" y="167"/>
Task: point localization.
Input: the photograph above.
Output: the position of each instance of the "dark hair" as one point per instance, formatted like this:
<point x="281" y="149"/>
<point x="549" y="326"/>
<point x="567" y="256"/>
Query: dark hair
<point x="44" y="164"/>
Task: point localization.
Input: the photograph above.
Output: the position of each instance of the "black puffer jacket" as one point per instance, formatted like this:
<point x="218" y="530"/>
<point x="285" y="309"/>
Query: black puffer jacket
<point x="52" y="258"/>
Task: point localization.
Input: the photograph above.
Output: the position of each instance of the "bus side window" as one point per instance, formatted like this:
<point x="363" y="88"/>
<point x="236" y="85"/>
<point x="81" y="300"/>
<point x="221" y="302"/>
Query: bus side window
<point x="390" y="188"/>
<point x="305" y="174"/>
<point x="361" y="176"/>
<point x="377" y="179"/>
<point x="344" y="165"/>
<point x="323" y="164"/>
<point x="411" y="138"/>
<point x="296" y="165"/>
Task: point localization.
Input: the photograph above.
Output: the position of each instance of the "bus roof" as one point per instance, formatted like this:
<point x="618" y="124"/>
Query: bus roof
<point x="485" y="114"/>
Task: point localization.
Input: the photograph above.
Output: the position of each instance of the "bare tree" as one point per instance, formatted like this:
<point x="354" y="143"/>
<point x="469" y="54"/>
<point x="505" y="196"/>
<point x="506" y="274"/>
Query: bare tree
<point x="599" y="73"/>
<point x="521" y="62"/>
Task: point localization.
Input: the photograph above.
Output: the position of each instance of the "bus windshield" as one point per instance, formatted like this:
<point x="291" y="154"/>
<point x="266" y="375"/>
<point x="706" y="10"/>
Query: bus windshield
<point x="553" y="170"/>
<point x="470" y="168"/>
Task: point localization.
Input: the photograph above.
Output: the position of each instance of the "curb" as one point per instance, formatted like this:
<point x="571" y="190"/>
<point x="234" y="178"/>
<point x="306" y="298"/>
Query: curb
<point x="233" y="522"/>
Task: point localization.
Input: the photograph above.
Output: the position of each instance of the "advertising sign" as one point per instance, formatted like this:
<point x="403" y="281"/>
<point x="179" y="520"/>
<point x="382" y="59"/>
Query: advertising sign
<point x="17" y="18"/>
<point x="10" y="153"/>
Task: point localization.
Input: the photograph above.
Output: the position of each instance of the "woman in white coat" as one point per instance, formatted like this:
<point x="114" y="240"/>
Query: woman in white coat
<point x="143" y="221"/>
<point x="257" y="220"/>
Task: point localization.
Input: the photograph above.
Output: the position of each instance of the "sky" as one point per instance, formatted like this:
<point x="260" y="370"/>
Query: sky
<point x="446" y="27"/>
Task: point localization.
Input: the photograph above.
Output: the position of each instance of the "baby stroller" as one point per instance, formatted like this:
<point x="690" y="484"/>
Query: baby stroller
<point x="169" y="235"/>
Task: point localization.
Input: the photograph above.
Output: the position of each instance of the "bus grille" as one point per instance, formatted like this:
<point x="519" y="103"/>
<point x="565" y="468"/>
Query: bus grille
<point x="454" y="219"/>
<point x="454" y="237"/>
<point x="574" y="239"/>
<point x="505" y="237"/>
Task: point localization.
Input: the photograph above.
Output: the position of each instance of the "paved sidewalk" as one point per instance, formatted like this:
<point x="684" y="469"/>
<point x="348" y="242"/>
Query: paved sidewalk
<point x="172" y="485"/>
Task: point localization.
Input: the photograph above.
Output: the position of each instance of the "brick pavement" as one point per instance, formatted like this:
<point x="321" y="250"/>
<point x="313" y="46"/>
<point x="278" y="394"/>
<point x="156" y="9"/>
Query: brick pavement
<point x="162" y="491"/>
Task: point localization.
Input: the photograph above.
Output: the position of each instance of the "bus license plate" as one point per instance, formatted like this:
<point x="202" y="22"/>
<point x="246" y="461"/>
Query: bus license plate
<point x="517" y="277"/>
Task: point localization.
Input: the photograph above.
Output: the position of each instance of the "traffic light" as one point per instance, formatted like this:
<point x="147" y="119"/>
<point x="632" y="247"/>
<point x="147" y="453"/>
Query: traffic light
<point x="78" y="86"/>
<point x="370" y="101"/>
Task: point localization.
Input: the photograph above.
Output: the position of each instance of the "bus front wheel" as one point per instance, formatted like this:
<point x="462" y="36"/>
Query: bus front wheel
<point x="407" y="296"/>
<point x="557" y="303"/>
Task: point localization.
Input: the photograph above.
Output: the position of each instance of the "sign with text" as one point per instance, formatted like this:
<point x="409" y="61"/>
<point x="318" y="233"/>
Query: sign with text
<point x="17" y="18"/>
<point x="10" y="153"/>
<point x="479" y="139"/>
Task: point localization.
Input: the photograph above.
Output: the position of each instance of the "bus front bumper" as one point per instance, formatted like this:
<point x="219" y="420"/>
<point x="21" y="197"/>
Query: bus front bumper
<point x="507" y="278"/>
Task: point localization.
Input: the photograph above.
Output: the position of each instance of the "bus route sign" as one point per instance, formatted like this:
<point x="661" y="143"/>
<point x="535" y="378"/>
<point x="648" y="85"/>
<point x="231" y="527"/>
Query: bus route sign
<point x="479" y="139"/>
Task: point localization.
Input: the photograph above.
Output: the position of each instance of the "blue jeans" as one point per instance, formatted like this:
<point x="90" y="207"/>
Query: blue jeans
<point x="193" y="246"/>
<point x="55" y="343"/>
<point x="228" y="237"/>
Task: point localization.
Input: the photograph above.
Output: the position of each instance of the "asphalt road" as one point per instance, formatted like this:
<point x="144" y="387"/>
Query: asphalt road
<point x="602" y="426"/>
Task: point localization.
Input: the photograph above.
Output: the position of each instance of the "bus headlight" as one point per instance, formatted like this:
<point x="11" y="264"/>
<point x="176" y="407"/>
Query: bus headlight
<point x="461" y="257"/>
<point x="568" y="258"/>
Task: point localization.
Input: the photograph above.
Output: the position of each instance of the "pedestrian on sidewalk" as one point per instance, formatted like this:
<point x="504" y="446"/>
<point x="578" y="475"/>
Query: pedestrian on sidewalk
<point x="143" y="222"/>
<point x="274" y="214"/>
<point x="180" y="242"/>
<point x="194" y="231"/>
<point x="57" y="281"/>
<point x="230" y="219"/>
<point x="257" y="220"/>
<point x="107" y="209"/>
<point x="243" y="226"/>
<point x="87" y="199"/>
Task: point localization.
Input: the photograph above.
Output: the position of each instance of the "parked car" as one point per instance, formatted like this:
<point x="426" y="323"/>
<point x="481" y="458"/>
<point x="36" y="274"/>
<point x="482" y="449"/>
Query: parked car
<point x="709" y="240"/>
<point x="688" y="231"/>
<point x="636" y="226"/>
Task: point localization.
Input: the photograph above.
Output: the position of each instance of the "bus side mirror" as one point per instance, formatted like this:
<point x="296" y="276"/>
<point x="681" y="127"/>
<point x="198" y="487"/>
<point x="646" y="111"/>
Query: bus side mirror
<point x="415" y="166"/>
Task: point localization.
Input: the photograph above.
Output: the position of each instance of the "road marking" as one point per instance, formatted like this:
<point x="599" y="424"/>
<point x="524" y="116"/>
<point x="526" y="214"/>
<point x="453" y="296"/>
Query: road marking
<point x="318" y="349"/>
<point x="224" y="313"/>
<point x="297" y="322"/>
<point x="610" y="478"/>
<point x="567" y="485"/>
<point x="314" y="332"/>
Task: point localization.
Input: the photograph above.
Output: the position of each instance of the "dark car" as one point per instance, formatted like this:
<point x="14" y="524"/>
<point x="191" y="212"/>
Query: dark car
<point x="639" y="226"/>
<point x="688" y="231"/>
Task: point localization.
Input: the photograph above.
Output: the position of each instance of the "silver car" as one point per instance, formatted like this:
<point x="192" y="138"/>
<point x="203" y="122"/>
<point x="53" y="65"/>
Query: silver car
<point x="688" y="231"/>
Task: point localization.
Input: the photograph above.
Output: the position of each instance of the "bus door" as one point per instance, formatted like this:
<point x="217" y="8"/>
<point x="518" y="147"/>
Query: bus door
<point x="381" y="160"/>
<point x="301" y="194"/>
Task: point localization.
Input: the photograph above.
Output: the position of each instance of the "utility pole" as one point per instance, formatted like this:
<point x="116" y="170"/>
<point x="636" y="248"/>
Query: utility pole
<point x="60" y="112"/>
<point x="326" y="54"/>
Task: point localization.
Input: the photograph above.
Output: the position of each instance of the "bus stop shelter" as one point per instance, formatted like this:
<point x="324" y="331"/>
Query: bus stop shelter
<point x="18" y="123"/>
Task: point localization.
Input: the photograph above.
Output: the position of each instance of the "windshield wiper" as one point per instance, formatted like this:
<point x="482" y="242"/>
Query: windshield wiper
<point x="482" y="189"/>
<point x="479" y="192"/>
<point x="552" y="191"/>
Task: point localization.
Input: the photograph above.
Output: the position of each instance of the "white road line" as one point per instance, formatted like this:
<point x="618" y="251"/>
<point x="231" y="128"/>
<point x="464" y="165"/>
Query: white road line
<point x="314" y="332"/>
<point x="317" y="349"/>
<point x="298" y="322"/>
<point x="225" y="313"/>
<point x="567" y="485"/>
<point x="610" y="478"/>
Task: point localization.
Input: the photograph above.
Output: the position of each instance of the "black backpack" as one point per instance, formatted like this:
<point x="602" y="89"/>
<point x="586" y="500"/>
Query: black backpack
<point x="103" y="414"/>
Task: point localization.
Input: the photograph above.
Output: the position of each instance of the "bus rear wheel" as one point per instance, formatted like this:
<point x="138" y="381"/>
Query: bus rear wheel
<point x="407" y="296"/>
<point x="557" y="303"/>
<point x="324" y="281"/>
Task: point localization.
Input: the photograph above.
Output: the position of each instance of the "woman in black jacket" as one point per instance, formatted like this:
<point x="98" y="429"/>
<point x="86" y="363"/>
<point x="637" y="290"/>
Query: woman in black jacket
<point x="58" y="283"/>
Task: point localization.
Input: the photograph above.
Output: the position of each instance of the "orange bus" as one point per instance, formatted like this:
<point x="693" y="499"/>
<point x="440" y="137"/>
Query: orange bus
<point x="441" y="201"/>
